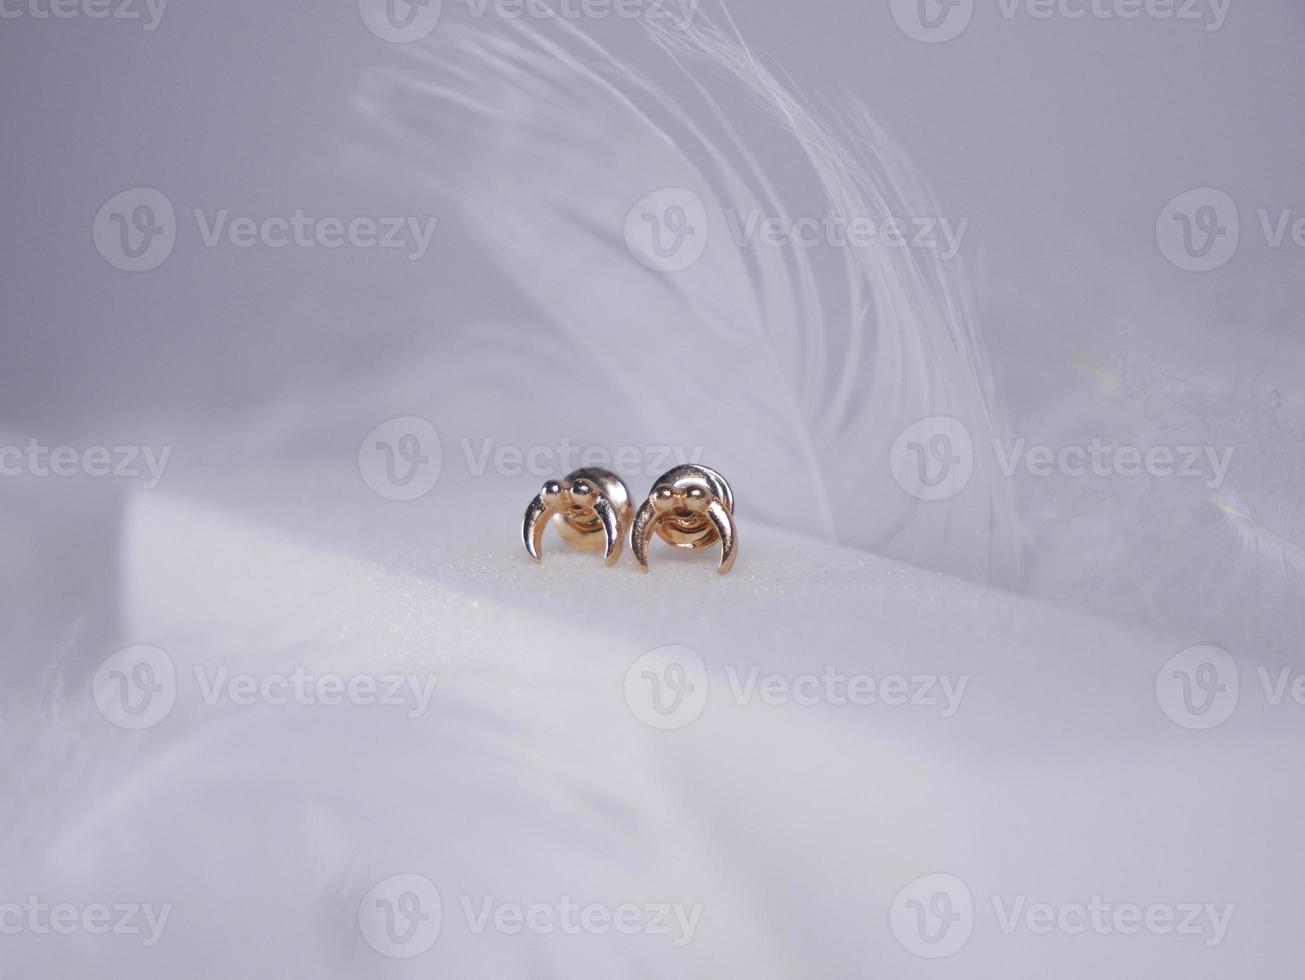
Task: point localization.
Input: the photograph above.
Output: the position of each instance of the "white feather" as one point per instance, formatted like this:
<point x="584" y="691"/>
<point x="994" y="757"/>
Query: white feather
<point x="798" y="373"/>
<point x="1260" y="544"/>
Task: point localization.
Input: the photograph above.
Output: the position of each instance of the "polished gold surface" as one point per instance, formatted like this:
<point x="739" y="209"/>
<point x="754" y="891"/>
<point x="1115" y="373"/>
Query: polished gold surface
<point x="590" y="509"/>
<point x="689" y="507"/>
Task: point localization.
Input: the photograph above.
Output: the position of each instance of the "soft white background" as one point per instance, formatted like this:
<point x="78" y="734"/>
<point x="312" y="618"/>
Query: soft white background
<point x="1060" y="141"/>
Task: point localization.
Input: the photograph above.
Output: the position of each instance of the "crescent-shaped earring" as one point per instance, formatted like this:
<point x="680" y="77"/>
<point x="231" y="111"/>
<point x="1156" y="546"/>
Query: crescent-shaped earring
<point x="688" y="507"/>
<point x="590" y="508"/>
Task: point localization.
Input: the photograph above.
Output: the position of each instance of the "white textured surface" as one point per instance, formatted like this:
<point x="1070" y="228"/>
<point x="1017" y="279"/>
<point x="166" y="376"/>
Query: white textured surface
<point x="1059" y="778"/>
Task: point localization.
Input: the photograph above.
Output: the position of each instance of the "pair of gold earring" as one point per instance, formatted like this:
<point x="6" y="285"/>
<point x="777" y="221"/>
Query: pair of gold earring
<point x="688" y="507"/>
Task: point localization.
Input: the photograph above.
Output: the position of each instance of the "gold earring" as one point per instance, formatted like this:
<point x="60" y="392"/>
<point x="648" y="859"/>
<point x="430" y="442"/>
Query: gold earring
<point x="689" y="507"/>
<point x="590" y="508"/>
